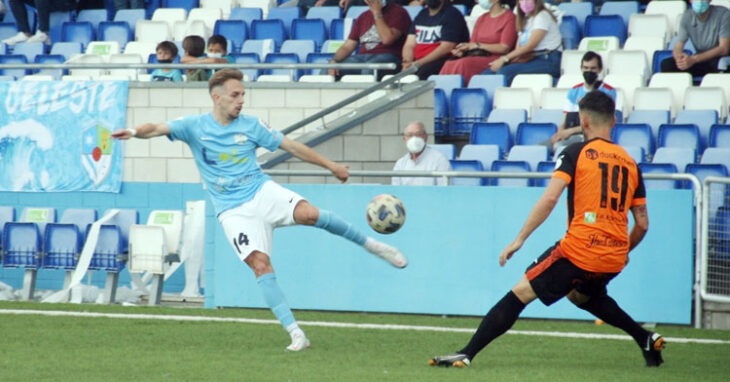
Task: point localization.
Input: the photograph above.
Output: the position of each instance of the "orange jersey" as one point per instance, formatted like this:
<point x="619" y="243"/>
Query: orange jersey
<point x="604" y="182"/>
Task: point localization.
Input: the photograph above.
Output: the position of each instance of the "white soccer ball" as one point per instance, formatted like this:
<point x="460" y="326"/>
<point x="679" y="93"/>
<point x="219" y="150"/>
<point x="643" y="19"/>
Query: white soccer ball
<point x="386" y="213"/>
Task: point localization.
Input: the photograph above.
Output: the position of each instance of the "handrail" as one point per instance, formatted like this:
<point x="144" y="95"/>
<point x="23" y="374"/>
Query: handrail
<point x="109" y="65"/>
<point x="706" y="240"/>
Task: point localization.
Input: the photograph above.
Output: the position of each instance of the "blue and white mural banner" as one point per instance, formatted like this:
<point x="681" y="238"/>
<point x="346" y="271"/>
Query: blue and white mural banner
<point x="56" y="136"/>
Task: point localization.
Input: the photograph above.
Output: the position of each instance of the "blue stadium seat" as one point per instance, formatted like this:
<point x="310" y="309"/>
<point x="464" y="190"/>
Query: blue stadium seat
<point x="716" y="155"/>
<point x="260" y="47"/>
<point x="467" y="165"/>
<point x="152" y="59"/>
<point x="660" y="55"/>
<point x="513" y="117"/>
<point x="461" y="8"/>
<point x="124" y="220"/>
<point x="3" y="49"/>
<point x="63" y="244"/>
<point x="554" y="116"/>
<point x="109" y="249"/>
<point x="234" y="31"/>
<point x="688" y="45"/>
<point x="486" y="154"/>
<point x="299" y="47"/>
<point x="720" y="136"/>
<point x="185" y="4"/>
<point x="492" y="133"/>
<point x="704" y="119"/>
<point x="247" y="58"/>
<point x="8" y="30"/>
<point x="468" y="106"/>
<point x="23" y="246"/>
<point x="660" y="168"/>
<point x="327" y="14"/>
<point x="578" y="10"/>
<point x="30" y="12"/>
<point x="130" y="16"/>
<point x="440" y="113"/>
<point x="653" y="118"/>
<point x="14" y="59"/>
<point x="118" y="31"/>
<point x="310" y="29"/>
<point x="634" y="134"/>
<point x="354" y="11"/>
<point x="29" y="49"/>
<point x="55" y="23"/>
<point x="151" y="6"/>
<point x="636" y="152"/>
<point x="719" y="234"/>
<point x="94" y="16"/>
<point x="601" y="26"/>
<point x="544" y="166"/>
<point x="51" y="59"/>
<point x="448" y="149"/>
<point x="286" y="15"/>
<point x="318" y="58"/>
<point x="82" y="32"/>
<point x="283" y="58"/>
<point x="337" y="28"/>
<point x="7" y="214"/>
<point x="680" y="157"/>
<point x="447" y="82"/>
<point x="532" y="154"/>
<point x="269" y="29"/>
<point x="413" y="10"/>
<point x="622" y="8"/>
<point x="685" y="135"/>
<point x="571" y="32"/>
<point x="511" y="166"/>
<point x="490" y="83"/>
<point x="80" y="217"/>
<point x="702" y="171"/>
<point x="247" y="15"/>
<point x="535" y="133"/>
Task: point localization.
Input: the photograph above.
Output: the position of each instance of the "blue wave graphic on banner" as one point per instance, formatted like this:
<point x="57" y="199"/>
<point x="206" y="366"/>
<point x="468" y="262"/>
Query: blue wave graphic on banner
<point x="56" y="136"/>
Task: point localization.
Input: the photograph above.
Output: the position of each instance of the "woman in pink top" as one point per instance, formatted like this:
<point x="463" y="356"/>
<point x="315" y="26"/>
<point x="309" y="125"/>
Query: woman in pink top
<point x="494" y="35"/>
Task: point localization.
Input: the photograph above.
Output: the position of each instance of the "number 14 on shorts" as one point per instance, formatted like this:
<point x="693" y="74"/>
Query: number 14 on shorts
<point x="242" y="239"/>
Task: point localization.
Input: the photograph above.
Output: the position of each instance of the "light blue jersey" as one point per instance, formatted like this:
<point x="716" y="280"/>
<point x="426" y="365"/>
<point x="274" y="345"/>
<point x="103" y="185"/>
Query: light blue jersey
<point x="226" y="155"/>
<point x="579" y="91"/>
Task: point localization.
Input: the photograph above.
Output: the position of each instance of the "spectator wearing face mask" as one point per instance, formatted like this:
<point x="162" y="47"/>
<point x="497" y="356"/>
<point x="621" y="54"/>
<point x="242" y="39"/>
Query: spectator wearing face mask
<point x="420" y="157"/>
<point x="434" y="33"/>
<point x="166" y="52"/>
<point x="570" y="130"/>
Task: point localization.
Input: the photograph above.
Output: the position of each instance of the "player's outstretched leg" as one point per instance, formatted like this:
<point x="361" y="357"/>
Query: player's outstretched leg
<point x="338" y="226"/>
<point x="606" y="308"/>
<point x="277" y="303"/>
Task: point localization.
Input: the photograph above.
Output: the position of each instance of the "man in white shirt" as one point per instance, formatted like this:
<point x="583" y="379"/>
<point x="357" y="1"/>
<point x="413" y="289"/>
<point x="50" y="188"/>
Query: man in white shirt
<point x="420" y="157"/>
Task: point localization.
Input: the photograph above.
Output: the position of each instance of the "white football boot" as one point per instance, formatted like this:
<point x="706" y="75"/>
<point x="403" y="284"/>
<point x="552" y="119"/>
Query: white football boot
<point x="299" y="342"/>
<point x="386" y="252"/>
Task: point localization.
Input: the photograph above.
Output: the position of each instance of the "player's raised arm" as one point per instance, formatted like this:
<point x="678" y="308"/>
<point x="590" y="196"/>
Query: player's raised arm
<point x="539" y="213"/>
<point x="306" y="154"/>
<point x="144" y="131"/>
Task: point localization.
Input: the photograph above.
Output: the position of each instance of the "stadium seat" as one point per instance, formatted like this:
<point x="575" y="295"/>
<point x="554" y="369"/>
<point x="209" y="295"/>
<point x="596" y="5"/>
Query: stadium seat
<point x="512" y="117"/>
<point x="511" y="166"/>
<point x="354" y="11"/>
<point x="287" y="15"/>
<point x="535" y="133"/>
<point x="688" y="45"/>
<point x="721" y="80"/>
<point x="702" y="171"/>
<point x="144" y="49"/>
<point x="467" y="165"/>
<point x="340" y="28"/>
<point x="208" y="16"/>
<point x="259" y="47"/>
<point x="86" y="59"/>
<point x="567" y="81"/>
<point x="130" y="74"/>
<point x="39" y="216"/>
<point x="600" y="45"/>
<point x="14" y="59"/>
<point x="108" y="253"/>
<point x="492" y="133"/>
<point x="317" y="58"/>
<point x="642" y="25"/>
<point x="130" y="16"/>
<point x="570" y="62"/>
<point x="638" y="135"/>
<point x="636" y="153"/>
<point x="448" y="149"/>
<point x="706" y="98"/>
<point x="247" y="15"/>
<point x="23" y="249"/>
<point x="578" y="10"/>
<point x="659" y="168"/>
<point x="185" y="4"/>
<point x="602" y="26"/>
<point x="532" y="154"/>
<point x="654" y="99"/>
<point x="544" y="166"/>
<point x="55" y="23"/>
<point x="323" y="78"/>
<point x="440" y="113"/>
<point x="152" y="31"/>
<point x="331" y="46"/>
<point x="82" y="32"/>
<point x="677" y="83"/>
<point x="625" y="9"/>
<point x="554" y="116"/>
<point x="29" y="49"/>
<point x="447" y="82"/>
<point x="514" y="98"/>
<point x="486" y="154"/>
<point x="170" y="16"/>
<point x="299" y="47"/>
<point x="63" y="242"/>
<point x="490" y="83"/>
<point x="234" y="31"/>
<point x="468" y="106"/>
<point x="118" y="31"/>
<point x="269" y="29"/>
<point x="653" y="118"/>
<point x="7" y="214"/>
<point x="661" y="55"/>
<point x="223" y="6"/>
<point x="678" y="156"/>
<point x="535" y="82"/>
<point x="8" y="30"/>
<point x="283" y="58"/>
<point x="720" y="136"/>
<point x="414" y="10"/>
<point x="309" y="29"/>
<point x="66" y="49"/>
<point x="50" y="59"/>
<point x="631" y="62"/>
<point x="154" y="242"/>
<point x="103" y="48"/>
<point x="704" y="119"/>
<point x="571" y="32"/>
<point x="716" y="155"/>
<point x="247" y="58"/>
<point x="671" y="9"/>
<point x="326" y="14"/>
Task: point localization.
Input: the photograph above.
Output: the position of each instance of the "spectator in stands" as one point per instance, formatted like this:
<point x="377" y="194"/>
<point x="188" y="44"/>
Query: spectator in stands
<point x="44" y="9"/>
<point x="570" y="130"/>
<point x="420" y="157"/>
<point x="494" y="34"/>
<point x="166" y="52"/>
<point x="380" y="34"/>
<point x="128" y="4"/>
<point x="217" y="51"/>
<point x="194" y="52"/>
<point x="434" y="33"/>
<point x="538" y="44"/>
<point x="708" y="26"/>
<point x="304" y="5"/>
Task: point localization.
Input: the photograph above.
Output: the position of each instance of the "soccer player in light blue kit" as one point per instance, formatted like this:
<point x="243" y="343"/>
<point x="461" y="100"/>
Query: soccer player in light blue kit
<point x="248" y="203"/>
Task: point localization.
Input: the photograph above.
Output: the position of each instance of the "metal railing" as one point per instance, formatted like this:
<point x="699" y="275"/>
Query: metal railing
<point x="715" y="244"/>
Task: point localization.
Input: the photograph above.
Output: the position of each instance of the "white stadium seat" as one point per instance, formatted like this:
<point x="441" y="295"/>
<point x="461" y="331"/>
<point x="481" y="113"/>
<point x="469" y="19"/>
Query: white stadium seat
<point x="225" y="6"/>
<point x="126" y="59"/>
<point x="207" y="15"/>
<point x="721" y="80"/>
<point x="600" y="45"/>
<point x="534" y="82"/>
<point x="514" y="98"/>
<point x="37" y="77"/>
<point x="706" y="98"/>
<point x="627" y="83"/>
<point x="170" y="16"/>
<point x="671" y="9"/>
<point x="151" y="31"/>
<point x="358" y="78"/>
<point x="181" y="29"/>
<point x="646" y="44"/>
<point x="144" y="49"/>
<point x="641" y="25"/>
<point x="103" y="48"/>
<point x="677" y="83"/>
<point x="86" y="59"/>
<point x="653" y="99"/>
<point x="628" y="62"/>
<point x="567" y="81"/>
<point x="317" y="78"/>
<point x="553" y="98"/>
<point x="274" y="78"/>
<point x="570" y="61"/>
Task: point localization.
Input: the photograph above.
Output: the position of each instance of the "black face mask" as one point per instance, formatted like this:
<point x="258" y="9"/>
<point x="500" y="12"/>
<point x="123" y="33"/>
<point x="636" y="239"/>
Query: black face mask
<point x="590" y="77"/>
<point x="165" y="61"/>
<point x="433" y="4"/>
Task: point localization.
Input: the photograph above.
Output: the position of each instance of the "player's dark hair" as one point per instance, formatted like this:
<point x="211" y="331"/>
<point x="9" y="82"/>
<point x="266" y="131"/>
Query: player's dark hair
<point x="223" y="75"/>
<point x="220" y="40"/>
<point x="598" y="105"/>
<point x="194" y="45"/>
<point x="591" y="55"/>
<point x="167" y="46"/>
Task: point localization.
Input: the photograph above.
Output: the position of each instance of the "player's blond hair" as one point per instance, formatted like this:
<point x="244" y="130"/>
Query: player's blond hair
<point x="223" y="75"/>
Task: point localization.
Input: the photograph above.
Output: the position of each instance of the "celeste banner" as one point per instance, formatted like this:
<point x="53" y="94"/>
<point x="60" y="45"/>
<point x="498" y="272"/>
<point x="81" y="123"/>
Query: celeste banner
<point x="56" y="135"/>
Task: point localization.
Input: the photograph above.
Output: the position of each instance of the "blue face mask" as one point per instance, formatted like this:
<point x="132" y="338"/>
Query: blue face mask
<point x="700" y="6"/>
<point x="485" y="4"/>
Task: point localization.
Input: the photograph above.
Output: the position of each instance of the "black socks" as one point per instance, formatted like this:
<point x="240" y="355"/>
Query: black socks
<point x="497" y="321"/>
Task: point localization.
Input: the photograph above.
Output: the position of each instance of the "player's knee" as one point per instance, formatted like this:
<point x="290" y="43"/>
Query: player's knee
<point x="577" y="298"/>
<point x="259" y="263"/>
<point x="306" y="213"/>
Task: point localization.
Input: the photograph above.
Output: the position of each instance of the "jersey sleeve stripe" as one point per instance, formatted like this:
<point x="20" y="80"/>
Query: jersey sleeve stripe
<point x="562" y="175"/>
<point x="638" y="202"/>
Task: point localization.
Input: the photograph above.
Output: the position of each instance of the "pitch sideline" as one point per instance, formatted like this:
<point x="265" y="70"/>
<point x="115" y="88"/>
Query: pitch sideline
<point x="328" y="324"/>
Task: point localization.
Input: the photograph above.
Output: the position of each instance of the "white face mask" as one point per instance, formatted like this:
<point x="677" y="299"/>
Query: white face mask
<point x="415" y="145"/>
<point x="485" y="4"/>
<point x="215" y="55"/>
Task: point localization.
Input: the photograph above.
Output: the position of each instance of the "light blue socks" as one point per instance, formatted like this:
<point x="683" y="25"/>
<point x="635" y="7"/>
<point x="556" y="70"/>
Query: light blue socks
<point x="275" y="299"/>
<point x="338" y="226"/>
